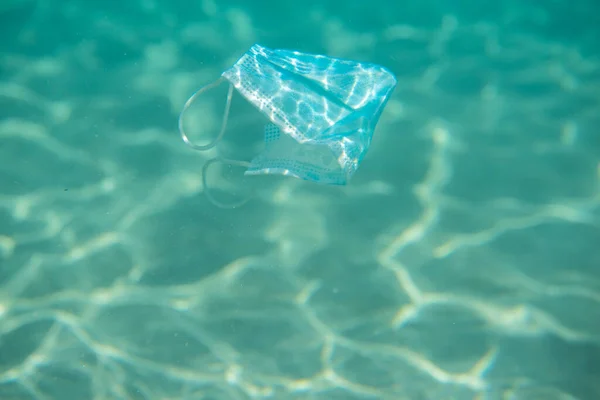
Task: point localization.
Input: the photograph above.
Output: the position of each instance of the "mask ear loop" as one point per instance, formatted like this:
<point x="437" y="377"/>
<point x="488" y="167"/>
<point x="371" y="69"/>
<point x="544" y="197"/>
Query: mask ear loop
<point x="188" y="103"/>
<point x="208" y="192"/>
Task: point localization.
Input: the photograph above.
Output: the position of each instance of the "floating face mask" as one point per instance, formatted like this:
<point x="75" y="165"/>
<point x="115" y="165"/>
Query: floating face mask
<point x="322" y="112"/>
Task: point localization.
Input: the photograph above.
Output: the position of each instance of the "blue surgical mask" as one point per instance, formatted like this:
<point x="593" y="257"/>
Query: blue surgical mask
<point x="322" y="112"/>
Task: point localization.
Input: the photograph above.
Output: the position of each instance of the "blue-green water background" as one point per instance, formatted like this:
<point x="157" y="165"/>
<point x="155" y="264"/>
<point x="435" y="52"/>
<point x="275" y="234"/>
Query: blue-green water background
<point x="460" y="263"/>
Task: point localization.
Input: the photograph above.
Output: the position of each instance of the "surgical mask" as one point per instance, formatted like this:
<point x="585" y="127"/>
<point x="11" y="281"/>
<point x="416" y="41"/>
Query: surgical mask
<point x="322" y="112"/>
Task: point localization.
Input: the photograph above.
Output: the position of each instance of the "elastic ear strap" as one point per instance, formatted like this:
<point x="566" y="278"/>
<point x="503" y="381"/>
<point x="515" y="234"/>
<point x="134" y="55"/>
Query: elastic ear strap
<point x="187" y="105"/>
<point x="207" y="190"/>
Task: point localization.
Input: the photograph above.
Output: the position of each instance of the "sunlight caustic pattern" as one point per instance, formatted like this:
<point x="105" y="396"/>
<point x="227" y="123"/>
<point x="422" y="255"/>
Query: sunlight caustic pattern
<point x="459" y="264"/>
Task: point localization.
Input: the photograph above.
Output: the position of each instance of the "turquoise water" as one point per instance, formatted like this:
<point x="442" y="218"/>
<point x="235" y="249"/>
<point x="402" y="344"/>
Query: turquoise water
<point x="461" y="262"/>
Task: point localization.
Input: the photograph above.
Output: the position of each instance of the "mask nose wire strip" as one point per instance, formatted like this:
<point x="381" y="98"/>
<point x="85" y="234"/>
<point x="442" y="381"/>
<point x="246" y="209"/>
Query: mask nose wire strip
<point x="187" y="105"/>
